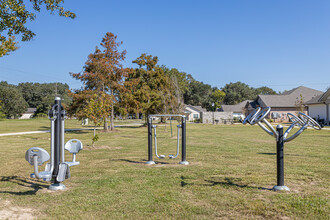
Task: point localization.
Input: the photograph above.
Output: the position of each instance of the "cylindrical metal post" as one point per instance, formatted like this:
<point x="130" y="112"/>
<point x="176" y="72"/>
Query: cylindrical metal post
<point x="57" y="138"/>
<point x="150" y="161"/>
<point x="183" y="133"/>
<point x="280" y="160"/>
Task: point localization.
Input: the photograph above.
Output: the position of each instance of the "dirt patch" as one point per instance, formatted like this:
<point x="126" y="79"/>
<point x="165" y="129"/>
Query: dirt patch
<point x="8" y="211"/>
<point x="101" y="147"/>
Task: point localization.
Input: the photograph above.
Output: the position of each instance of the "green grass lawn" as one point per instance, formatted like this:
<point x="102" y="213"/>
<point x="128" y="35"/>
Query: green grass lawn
<point x="232" y="169"/>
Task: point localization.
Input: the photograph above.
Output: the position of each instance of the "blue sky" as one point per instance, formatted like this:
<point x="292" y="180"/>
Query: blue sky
<point x="276" y="43"/>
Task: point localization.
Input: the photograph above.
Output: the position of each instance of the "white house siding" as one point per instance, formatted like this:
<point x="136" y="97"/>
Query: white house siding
<point x="318" y="110"/>
<point x="192" y="113"/>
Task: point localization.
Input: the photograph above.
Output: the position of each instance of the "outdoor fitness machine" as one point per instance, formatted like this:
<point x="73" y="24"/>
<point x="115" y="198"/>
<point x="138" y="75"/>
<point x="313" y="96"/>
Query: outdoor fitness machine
<point x="303" y="121"/>
<point x="181" y="126"/>
<point x="57" y="170"/>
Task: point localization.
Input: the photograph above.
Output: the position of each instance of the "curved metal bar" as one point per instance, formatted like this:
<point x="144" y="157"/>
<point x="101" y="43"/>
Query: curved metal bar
<point x="178" y="145"/>
<point x="35" y="165"/>
<point x="155" y="137"/>
<point x="294" y="118"/>
<point x="260" y="116"/>
<point x="251" y="116"/>
<point x="265" y="129"/>
<point x="296" y="134"/>
<point x="310" y="121"/>
<point x="289" y="129"/>
<point x="273" y="132"/>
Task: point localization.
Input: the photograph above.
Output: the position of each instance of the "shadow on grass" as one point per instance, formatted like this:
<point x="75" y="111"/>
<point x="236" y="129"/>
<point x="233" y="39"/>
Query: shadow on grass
<point x="69" y="131"/>
<point x="267" y="153"/>
<point x="138" y="162"/>
<point x="227" y="182"/>
<point x="34" y="185"/>
<point x="284" y="154"/>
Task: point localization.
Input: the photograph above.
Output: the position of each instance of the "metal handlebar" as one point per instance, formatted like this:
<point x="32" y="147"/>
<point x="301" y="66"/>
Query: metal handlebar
<point x="303" y="120"/>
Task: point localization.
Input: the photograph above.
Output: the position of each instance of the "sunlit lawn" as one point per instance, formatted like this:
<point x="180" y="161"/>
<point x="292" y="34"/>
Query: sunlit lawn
<point x="232" y="168"/>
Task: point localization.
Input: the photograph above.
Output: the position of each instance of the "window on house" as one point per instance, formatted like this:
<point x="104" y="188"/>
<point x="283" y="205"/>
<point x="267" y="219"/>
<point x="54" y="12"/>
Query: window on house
<point x="196" y="116"/>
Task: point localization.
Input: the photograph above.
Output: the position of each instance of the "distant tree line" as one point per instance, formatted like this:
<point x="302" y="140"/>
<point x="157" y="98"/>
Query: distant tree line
<point x="15" y="99"/>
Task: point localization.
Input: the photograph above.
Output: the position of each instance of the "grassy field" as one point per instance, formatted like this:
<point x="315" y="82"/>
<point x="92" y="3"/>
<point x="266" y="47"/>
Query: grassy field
<point x="232" y="169"/>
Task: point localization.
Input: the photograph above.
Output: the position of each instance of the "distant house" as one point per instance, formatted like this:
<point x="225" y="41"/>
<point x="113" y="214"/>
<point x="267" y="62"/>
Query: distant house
<point x="291" y="101"/>
<point x="193" y="112"/>
<point x="319" y="107"/>
<point x="238" y="110"/>
<point x="29" y="113"/>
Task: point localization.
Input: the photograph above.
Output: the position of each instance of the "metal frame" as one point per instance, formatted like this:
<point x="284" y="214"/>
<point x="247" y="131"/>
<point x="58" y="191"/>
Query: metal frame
<point x="183" y="139"/>
<point x="57" y="170"/>
<point x="303" y="121"/>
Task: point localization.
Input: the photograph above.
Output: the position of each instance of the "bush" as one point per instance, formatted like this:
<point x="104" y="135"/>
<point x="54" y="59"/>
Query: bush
<point x="41" y="115"/>
<point x="198" y="120"/>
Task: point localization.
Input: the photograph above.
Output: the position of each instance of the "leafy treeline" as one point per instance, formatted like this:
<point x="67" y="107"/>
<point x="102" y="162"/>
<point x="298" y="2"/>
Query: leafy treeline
<point x="14" y="100"/>
<point x="146" y="89"/>
<point x="111" y="90"/>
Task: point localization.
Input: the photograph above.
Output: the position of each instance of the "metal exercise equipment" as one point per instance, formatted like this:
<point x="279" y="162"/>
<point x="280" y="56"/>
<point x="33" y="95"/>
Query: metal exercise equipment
<point x="58" y="169"/>
<point x="302" y="121"/>
<point x="182" y="126"/>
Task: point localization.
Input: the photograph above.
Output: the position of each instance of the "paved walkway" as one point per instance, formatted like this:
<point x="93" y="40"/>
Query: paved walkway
<point x="75" y="129"/>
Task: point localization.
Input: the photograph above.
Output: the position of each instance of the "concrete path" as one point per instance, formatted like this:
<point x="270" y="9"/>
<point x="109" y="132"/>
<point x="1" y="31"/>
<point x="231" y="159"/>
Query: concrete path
<point x="75" y="129"/>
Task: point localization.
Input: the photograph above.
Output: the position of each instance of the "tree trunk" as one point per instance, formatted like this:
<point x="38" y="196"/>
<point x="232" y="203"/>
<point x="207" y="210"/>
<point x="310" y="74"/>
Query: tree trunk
<point x="94" y="137"/>
<point x="105" y="127"/>
<point x="112" y="127"/>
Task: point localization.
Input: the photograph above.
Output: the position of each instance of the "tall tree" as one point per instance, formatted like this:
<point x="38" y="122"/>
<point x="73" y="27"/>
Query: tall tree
<point x="154" y="89"/>
<point x="14" y="17"/>
<point x="103" y="71"/>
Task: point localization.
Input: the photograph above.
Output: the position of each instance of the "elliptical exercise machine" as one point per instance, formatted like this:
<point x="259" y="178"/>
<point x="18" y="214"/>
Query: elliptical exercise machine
<point x="181" y="126"/>
<point x="303" y="121"/>
<point x="58" y="169"/>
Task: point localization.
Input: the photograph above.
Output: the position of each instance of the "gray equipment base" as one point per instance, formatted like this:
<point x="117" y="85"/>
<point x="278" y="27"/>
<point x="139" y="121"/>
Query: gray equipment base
<point x="57" y="186"/>
<point x="150" y="162"/>
<point x="184" y="162"/>
<point x="281" y="188"/>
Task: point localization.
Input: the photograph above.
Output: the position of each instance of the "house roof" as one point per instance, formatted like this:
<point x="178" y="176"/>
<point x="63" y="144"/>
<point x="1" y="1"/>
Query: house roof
<point x="319" y="99"/>
<point x="289" y="98"/>
<point x="31" y="110"/>
<point x="238" y="108"/>
<point x="197" y="108"/>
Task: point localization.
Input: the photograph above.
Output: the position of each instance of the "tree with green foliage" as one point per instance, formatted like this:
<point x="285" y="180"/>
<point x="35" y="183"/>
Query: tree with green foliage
<point x="2" y="115"/>
<point x="198" y="94"/>
<point x="217" y="98"/>
<point x="264" y="90"/>
<point x="97" y="108"/>
<point x="41" y="95"/>
<point x="238" y="92"/>
<point x="103" y="71"/>
<point x="13" y="104"/>
<point x="154" y="90"/>
<point x="14" y="17"/>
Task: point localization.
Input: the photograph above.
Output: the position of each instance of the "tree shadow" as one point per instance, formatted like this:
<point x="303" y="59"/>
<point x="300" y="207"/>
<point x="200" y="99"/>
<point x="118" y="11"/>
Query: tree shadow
<point x="72" y="131"/>
<point x="267" y="153"/>
<point x="138" y="162"/>
<point x="34" y="185"/>
<point x="129" y="126"/>
<point x="284" y="154"/>
<point x="227" y="182"/>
